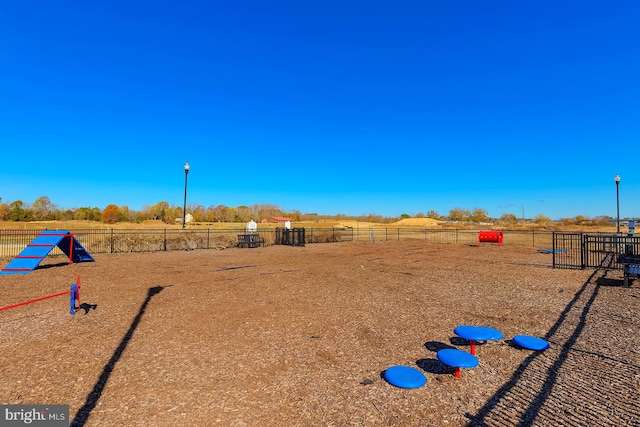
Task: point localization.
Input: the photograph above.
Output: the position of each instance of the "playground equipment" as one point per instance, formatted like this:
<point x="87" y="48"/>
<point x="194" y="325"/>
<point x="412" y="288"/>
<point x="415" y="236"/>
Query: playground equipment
<point x="490" y="236"/>
<point x="552" y="251"/>
<point x="477" y="333"/>
<point x="458" y="359"/>
<point x="74" y="298"/>
<point x="404" y="377"/>
<point x="40" y="247"/>
<point x="531" y="343"/>
<point x="408" y="377"/>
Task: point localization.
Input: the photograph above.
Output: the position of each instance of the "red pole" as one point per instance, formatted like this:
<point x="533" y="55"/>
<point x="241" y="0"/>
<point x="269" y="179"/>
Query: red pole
<point x="34" y="300"/>
<point x="71" y="244"/>
<point x="457" y="372"/>
<point x="473" y="347"/>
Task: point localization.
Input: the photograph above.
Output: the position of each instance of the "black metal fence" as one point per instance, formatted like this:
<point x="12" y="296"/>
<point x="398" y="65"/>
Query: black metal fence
<point x="592" y="250"/>
<point x="113" y="240"/>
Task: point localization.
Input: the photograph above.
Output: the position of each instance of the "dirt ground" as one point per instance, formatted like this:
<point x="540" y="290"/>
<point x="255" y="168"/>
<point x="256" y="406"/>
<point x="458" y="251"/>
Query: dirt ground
<point x="300" y="336"/>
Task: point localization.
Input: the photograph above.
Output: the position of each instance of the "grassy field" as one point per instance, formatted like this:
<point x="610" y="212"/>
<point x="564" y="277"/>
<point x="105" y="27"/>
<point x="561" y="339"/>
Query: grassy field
<point x="408" y="223"/>
<point x="39" y="225"/>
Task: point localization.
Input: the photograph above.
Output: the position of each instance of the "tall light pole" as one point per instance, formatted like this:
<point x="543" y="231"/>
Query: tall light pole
<point x="184" y="207"/>
<point x="617" y="180"/>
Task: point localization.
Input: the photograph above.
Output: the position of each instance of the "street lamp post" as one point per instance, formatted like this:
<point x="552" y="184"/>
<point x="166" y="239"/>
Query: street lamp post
<point x="617" y="180"/>
<point x="184" y="207"/>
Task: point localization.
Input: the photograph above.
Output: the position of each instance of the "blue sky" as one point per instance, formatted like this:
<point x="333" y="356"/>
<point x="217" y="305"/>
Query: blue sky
<point x="323" y="106"/>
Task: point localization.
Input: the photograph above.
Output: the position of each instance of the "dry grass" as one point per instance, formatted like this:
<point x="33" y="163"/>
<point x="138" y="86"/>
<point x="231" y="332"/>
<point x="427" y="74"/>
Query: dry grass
<point x="419" y="223"/>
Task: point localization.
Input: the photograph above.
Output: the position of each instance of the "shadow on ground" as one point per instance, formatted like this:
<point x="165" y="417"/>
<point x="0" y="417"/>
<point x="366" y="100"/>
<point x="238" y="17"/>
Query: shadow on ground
<point x="84" y="412"/>
<point x="590" y="374"/>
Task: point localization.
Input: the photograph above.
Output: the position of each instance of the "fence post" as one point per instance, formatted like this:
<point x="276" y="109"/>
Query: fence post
<point x="208" y="238"/>
<point x="398" y="234"/>
<point x="164" y="243"/>
<point x="583" y="249"/>
<point x="533" y="237"/>
<point x="111" y="239"/>
<point x="553" y="249"/>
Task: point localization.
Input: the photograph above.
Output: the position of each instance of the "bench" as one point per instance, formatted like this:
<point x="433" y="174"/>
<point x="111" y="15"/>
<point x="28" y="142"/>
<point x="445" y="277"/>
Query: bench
<point x="630" y="267"/>
<point x="252" y="240"/>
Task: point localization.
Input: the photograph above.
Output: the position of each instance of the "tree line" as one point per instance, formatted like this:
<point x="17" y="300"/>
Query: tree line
<point x="42" y="209"/>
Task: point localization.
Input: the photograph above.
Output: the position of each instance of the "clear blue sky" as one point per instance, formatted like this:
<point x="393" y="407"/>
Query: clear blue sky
<point x="351" y="107"/>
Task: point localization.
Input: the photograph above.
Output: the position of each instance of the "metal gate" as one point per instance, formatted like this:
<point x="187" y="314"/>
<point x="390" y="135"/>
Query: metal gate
<point x="567" y="250"/>
<point x="580" y="250"/>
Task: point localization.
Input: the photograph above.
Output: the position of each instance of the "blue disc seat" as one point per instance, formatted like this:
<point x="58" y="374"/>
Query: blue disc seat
<point x="404" y="377"/>
<point x="458" y="359"/>
<point x="531" y="343"/>
<point x="477" y="333"/>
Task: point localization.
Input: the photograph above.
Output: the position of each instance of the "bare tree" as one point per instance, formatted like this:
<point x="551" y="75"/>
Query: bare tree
<point x="42" y="208"/>
<point x="243" y="213"/>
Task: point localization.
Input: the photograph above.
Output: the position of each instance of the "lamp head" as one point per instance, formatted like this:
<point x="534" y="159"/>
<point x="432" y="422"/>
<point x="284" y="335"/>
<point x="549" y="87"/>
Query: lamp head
<point x="187" y="167"/>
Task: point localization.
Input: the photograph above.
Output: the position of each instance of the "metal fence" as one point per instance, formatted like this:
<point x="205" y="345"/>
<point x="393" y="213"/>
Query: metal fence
<point x="113" y="240"/>
<point x="530" y="238"/>
<point x="592" y="250"/>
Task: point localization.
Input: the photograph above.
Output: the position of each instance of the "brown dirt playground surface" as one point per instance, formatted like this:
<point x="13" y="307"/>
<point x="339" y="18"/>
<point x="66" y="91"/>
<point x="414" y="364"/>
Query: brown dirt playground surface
<point x="290" y="336"/>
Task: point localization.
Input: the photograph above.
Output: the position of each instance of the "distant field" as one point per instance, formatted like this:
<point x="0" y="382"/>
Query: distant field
<point x="37" y="225"/>
<point x="420" y="223"/>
